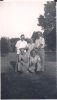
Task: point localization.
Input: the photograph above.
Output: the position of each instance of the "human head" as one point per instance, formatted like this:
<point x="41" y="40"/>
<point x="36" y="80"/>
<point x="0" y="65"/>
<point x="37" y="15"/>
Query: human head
<point x="22" y="37"/>
<point x="33" y="53"/>
<point x="40" y="34"/>
<point x="22" y="51"/>
<point x="30" y="41"/>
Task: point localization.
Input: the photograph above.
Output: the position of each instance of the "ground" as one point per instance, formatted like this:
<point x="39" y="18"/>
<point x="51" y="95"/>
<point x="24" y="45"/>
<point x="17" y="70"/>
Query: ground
<point x="31" y="85"/>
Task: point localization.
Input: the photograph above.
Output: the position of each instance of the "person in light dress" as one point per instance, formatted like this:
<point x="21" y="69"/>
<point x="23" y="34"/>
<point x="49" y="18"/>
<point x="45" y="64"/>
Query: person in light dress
<point x="35" y="62"/>
<point x="23" y="63"/>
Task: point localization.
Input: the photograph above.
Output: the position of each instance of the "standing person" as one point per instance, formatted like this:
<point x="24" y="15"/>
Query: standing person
<point x="21" y="44"/>
<point x="40" y="44"/>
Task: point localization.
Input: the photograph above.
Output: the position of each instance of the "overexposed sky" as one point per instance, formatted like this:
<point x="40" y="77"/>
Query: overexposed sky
<point x="20" y="17"/>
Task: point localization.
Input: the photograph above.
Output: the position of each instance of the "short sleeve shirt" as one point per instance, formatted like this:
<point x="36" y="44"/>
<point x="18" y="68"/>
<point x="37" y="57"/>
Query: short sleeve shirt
<point x="40" y="41"/>
<point x="20" y="44"/>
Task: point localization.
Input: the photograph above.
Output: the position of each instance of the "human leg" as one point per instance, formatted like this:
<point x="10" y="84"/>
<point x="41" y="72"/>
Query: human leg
<point x="38" y="67"/>
<point x="42" y="53"/>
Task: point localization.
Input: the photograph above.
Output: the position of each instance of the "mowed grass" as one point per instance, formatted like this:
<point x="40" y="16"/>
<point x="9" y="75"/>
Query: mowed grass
<point x="29" y="85"/>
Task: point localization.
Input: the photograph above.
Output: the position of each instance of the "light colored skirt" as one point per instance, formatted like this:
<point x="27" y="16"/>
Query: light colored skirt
<point x="32" y="68"/>
<point x="23" y="68"/>
<point x="38" y="66"/>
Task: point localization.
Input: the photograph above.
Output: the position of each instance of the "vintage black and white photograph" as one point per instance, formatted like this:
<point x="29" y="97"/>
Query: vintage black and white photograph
<point x="28" y="49"/>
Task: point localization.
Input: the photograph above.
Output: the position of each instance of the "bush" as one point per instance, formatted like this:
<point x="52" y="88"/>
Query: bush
<point x="5" y="46"/>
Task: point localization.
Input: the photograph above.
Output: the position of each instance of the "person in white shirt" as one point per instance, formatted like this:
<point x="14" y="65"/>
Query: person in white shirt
<point x="40" y="44"/>
<point x="21" y="44"/>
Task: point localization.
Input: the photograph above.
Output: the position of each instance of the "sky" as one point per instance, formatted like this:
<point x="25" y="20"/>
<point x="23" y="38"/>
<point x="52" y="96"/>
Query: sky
<point x="20" y="17"/>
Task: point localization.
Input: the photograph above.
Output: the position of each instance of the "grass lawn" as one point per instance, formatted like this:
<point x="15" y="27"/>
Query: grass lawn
<point x="29" y="85"/>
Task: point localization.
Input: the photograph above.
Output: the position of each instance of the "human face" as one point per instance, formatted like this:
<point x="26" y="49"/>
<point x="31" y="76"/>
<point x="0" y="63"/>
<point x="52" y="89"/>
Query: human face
<point x="22" y="51"/>
<point x="40" y="34"/>
<point x="33" y="53"/>
<point x="22" y="37"/>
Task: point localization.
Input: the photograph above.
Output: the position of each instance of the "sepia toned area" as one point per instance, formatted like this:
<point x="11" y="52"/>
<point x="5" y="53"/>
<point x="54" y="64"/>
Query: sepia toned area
<point x="28" y="49"/>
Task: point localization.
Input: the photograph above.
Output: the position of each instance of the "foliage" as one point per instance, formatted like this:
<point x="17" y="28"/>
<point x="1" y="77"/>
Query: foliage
<point x="51" y="39"/>
<point x="5" y="45"/>
<point x="48" y="23"/>
<point x="34" y="36"/>
<point x="13" y="42"/>
<point x="27" y="40"/>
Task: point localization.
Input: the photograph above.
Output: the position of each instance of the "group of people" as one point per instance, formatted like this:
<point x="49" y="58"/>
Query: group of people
<point x="30" y="54"/>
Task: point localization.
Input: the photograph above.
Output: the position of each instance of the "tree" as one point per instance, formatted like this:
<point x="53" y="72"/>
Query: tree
<point x="51" y="39"/>
<point x="48" y="23"/>
<point x="13" y="42"/>
<point x="34" y="36"/>
<point x="27" y="40"/>
<point x="5" y="45"/>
